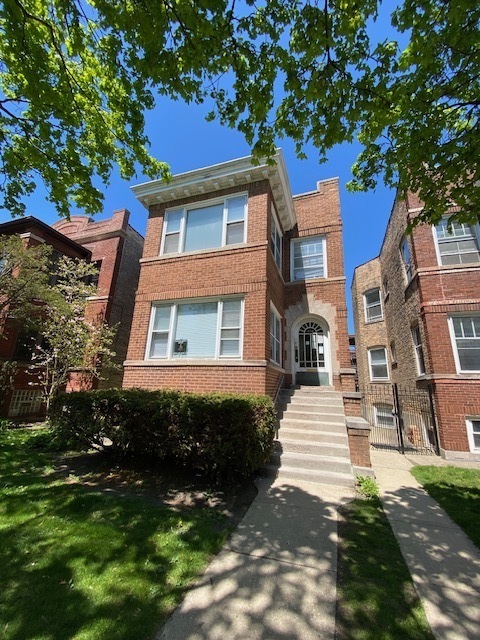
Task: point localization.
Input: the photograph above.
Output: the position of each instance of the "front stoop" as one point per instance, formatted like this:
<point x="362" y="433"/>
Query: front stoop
<point x="312" y="442"/>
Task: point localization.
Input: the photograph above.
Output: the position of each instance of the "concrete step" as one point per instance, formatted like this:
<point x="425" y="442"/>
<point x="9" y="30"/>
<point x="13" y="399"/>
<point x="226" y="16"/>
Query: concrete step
<point x="319" y="425"/>
<point x="314" y="389"/>
<point x="312" y="435"/>
<point x="290" y="445"/>
<point x="312" y="392"/>
<point x="311" y="461"/>
<point x="307" y="475"/>
<point x="312" y="407"/>
<point x="311" y="397"/>
<point x="312" y="440"/>
<point x="319" y="417"/>
<point x="307" y="401"/>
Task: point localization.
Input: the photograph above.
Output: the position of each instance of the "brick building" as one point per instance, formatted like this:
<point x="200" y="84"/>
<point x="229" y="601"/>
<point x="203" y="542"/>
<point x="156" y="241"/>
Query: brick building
<point x="16" y="343"/>
<point x="116" y="248"/>
<point x="417" y="321"/>
<point x="242" y="285"/>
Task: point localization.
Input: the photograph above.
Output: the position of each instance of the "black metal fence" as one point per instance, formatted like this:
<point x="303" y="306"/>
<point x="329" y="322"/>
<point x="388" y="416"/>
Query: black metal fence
<point x="401" y="418"/>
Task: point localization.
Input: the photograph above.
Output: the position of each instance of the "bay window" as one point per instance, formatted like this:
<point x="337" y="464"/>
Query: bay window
<point x="193" y="329"/>
<point x="209" y="226"/>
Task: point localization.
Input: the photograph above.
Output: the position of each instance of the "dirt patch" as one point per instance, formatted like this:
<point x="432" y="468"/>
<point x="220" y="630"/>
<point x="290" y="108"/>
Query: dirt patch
<point x="161" y="483"/>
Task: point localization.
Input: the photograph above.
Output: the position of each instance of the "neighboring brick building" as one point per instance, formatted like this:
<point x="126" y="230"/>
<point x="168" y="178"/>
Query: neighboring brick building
<point x="116" y="248"/>
<point x="242" y="286"/>
<point x="417" y="320"/>
<point x="15" y="343"/>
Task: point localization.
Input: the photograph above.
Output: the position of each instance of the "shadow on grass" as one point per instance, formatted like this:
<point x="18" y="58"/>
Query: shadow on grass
<point x="86" y="565"/>
<point x="376" y="595"/>
<point x="457" y="491"/>
<point x="81" y="564"/>
<point x="277" y="577"/>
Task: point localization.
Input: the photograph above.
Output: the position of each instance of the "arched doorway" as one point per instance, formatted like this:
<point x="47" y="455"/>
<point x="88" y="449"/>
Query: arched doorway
<point x="312" y="354"/>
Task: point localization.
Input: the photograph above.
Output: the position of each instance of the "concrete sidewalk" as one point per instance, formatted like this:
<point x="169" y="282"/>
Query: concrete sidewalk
<point x="276" y="577"/>
<point x="443" y="562"/>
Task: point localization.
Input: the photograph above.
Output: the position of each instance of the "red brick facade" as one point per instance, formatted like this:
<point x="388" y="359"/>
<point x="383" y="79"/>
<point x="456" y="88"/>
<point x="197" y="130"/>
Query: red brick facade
<point x="247" y="270"/>
<point x="435" y="295"/>
<point x="116" y="248"/>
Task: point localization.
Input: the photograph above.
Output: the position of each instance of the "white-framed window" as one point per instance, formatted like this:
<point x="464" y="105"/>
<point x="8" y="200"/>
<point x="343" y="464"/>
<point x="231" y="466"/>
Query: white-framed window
<point x="308" y="258"/>
<point x="275" y="336"/>
<point x="465" y="335"/>
<point x="208" y="225"/>
<point x="373" y="305"/>
<point x="276" y="241"/>
<point x="25" y="402"/>
<point x="406" y="259"/>
<point x="417" y="343"/>
<point x="473" y="433"/>
<point x="383" y="414"/>
<point x="196" y="329"/>
<point x="377" y="359"/>
<point x="458" y="244"/>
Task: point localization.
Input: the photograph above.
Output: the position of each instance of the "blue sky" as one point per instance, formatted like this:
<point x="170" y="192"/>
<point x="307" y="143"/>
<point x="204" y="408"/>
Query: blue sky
<point x="180" y="136"/>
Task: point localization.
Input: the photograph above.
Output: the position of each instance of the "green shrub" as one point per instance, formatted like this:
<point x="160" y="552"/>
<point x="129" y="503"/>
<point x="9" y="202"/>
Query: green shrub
<point x="225" y="436"/>
<point x="367" y="487"/>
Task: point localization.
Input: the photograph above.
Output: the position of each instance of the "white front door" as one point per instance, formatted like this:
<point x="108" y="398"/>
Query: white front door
<point x="311" y="353"/>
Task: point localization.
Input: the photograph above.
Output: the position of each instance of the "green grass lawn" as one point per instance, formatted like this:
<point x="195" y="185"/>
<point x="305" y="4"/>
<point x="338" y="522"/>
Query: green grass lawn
<point x="457" y="491"/>
<point x="376" y="599"/>
<point x="85" y="565"/>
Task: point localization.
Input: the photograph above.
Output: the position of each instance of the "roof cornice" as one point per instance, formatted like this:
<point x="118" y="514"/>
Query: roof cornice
<point x="21" y="225"/>
<point x="233" y="173"/>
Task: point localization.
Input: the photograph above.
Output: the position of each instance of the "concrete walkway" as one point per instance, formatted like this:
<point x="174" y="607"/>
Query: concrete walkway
<point x="276" y="577"/>
<point x="443" y="562"/>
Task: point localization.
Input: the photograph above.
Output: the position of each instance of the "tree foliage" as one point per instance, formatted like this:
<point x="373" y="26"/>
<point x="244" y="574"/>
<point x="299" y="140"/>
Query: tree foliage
<point x="24" y="279"/>
<point x="78" y="75"/>
<point x="72" y="342"/>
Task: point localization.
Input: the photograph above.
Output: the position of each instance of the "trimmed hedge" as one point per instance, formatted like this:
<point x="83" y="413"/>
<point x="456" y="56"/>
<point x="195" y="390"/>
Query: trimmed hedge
<point x="225" y="436"/>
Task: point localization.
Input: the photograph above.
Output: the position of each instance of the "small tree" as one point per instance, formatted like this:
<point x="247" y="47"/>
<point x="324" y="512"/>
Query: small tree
<point x="71" y="340"/>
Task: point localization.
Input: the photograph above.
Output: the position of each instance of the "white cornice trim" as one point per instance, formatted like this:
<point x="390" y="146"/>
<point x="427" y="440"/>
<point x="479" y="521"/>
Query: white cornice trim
<point x="234" y="173"/>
